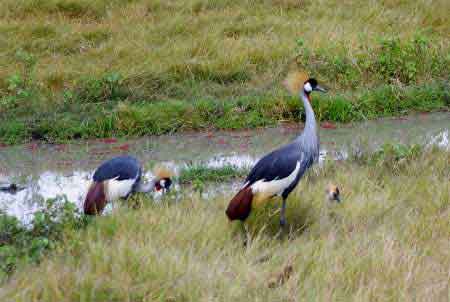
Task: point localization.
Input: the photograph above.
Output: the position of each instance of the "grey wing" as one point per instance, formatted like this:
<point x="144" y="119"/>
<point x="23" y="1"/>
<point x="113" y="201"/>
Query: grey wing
<point x="121" y="167"/>
<point x="277" y="164"/>
<point x="305" y="163"/>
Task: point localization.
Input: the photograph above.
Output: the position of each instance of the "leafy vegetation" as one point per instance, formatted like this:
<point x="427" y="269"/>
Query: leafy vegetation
<point x="387" y="240"/>
<point x="78" y="69"/>
<point x="22" y="244"/>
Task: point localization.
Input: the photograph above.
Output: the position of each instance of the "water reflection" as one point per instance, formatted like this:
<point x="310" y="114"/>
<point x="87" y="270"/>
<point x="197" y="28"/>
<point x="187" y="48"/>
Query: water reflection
<point x="51" y="170"/>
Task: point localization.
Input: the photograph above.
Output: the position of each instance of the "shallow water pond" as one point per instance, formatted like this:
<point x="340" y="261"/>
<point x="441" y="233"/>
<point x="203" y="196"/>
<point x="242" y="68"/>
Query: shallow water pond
<point x="48" y="170"/>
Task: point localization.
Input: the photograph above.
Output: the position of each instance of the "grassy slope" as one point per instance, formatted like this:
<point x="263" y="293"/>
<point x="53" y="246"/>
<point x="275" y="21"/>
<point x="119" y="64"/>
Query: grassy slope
<point x="388" y="241"/>
<point x="78" y="68"/>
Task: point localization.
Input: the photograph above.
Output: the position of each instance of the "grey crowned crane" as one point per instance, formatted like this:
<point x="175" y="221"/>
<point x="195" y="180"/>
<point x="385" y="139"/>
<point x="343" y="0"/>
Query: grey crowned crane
<point x="120" y="177"/>
<point x="279" y="172"/>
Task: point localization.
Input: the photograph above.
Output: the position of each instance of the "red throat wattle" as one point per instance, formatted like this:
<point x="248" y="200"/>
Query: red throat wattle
<point x="158" y="186"/>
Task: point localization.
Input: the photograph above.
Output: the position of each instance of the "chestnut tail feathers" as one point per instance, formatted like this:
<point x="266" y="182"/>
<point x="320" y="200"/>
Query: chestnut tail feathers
<point x="240" y="206"/>
<point x="95" y="201"/>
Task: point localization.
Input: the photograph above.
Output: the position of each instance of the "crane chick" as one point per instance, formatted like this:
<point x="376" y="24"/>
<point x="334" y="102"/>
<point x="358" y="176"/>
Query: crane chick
<point x="120" y="177"/>
<point x="332" y="193"/>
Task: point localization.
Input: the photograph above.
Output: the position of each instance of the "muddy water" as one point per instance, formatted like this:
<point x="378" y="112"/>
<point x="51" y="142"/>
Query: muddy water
<point x="50" y="170"/>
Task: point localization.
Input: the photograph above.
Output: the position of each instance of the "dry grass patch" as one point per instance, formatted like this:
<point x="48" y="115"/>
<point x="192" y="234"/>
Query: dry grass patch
<point x="223" y="37"/>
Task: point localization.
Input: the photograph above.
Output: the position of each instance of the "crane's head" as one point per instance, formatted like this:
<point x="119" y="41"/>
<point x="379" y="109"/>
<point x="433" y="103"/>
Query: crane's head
<point x="311" y="85"/>
<point x="298" y="82"/>
<point x="333" y="193"/>
<point x="163" y="179"/>
<point x="163" y="184"/>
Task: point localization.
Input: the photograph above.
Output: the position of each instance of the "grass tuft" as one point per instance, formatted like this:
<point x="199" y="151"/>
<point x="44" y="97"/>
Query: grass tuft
<point x="203" y="173"/>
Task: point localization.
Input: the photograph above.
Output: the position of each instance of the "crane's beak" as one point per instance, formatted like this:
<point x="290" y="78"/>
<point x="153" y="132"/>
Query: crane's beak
<point x="321" y="89"/>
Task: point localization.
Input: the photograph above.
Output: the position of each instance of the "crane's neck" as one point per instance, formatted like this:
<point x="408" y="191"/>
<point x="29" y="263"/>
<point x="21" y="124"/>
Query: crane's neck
<point x="145" y="187"/>
<point x="309" y="136"/>
<point x="310" y="123"/>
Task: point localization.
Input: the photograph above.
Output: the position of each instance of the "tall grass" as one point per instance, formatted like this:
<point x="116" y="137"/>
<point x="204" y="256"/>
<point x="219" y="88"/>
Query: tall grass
<point x="387" y="241"/>
<point x="228" y="45"/>
<point x="79" y="58"/>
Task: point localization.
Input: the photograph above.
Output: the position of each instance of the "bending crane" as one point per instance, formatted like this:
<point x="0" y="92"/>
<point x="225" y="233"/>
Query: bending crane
<point x="120" y="177"/>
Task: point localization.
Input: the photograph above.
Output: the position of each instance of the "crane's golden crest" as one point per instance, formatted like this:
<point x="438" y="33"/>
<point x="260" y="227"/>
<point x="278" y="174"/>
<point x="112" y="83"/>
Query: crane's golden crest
<point x="294" y="81"/>
<point x="163" y="172"/>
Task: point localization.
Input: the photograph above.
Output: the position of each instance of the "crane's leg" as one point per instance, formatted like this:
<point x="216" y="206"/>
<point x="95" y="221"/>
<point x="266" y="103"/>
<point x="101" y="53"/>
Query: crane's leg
<point x="283" y="213"/>
<point x="244" y="230"/>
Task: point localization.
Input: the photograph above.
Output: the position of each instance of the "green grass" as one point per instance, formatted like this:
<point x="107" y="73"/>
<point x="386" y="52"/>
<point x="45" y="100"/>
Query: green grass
<point x="76" y="68"/>
<point x="203" y="173"/>
<point x="141" y="118"/>
<point x="387" y="241"/>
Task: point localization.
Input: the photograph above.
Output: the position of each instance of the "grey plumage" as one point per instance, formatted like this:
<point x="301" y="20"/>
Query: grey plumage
<point x="120" y="168"/>
<point x="123" y="167"/>
<point x="281" y="163"/>
<point x="117" y="178"/>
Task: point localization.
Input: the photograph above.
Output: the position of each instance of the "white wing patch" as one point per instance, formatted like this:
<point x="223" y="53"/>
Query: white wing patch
<point x="118" y="188"/>
<point x="265" y="189"/>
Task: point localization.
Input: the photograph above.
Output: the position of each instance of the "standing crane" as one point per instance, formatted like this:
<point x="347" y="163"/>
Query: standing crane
<point x="120" y="177"/>
<point x="279" y="172"/>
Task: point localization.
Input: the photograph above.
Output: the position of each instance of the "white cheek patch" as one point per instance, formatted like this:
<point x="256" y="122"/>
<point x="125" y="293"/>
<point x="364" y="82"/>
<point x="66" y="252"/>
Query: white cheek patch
<point x="307" y="87"/>
<point x="162" y="183"/>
